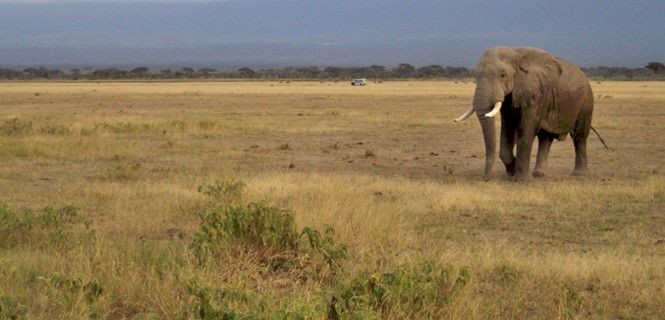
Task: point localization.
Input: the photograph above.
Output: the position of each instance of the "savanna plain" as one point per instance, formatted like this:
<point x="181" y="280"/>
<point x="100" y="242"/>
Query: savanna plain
<point x="318" y="200"/>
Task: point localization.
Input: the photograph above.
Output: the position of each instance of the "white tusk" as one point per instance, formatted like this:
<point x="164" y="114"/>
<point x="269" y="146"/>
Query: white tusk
<point x="465" y="115"/>
<point x="497" y="108"/>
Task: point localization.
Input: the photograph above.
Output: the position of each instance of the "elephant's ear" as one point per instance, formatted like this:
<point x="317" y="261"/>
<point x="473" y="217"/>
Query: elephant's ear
<point x="537" y="74"/>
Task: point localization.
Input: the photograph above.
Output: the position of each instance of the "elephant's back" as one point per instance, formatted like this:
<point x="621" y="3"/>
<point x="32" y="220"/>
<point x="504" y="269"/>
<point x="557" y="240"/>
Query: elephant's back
<point x="572" y="77"/>
<point x="575" y="81"/>
<point x="572" y="95"/>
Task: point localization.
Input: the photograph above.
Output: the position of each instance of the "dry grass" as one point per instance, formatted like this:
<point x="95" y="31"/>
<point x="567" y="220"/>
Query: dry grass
<point x="132" y="155"/>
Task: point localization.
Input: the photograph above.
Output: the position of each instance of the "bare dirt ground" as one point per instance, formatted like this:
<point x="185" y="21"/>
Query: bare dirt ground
<point x="383" y="164"/>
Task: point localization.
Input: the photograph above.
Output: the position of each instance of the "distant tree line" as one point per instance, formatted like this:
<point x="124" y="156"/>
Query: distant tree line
<point x="652" y="71"/>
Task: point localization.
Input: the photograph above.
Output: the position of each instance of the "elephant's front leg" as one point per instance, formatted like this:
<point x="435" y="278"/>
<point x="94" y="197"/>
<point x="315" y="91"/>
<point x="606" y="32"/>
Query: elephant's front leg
<point x="544" y="144"/>
<point x="507" y="145"/>
<point x="525" y="135"/>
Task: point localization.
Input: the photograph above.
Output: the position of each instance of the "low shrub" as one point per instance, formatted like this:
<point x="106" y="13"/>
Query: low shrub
<point x="325" y="244"/>
<point x="258" y="225"/>
<point x="272" y="233"/>
<point x="417" y="291"/>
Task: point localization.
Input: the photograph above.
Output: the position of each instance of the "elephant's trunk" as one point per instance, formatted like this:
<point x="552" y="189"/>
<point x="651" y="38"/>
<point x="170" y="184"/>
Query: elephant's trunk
<point x="488" y="94"/>
<point x="489" y="134"/>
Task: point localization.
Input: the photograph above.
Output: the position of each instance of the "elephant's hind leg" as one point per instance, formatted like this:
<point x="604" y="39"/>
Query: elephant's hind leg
<point x="580" y="135"/>
<point x="581" y="163"/>
<point x="544" y="143"/>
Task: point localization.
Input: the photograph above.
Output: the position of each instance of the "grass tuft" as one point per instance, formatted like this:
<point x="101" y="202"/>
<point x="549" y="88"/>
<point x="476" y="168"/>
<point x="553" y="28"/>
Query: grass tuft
<point x="15" y="127"/>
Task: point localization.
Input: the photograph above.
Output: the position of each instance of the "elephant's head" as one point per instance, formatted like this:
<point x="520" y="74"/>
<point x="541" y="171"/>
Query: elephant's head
<point x="521" y="75"/>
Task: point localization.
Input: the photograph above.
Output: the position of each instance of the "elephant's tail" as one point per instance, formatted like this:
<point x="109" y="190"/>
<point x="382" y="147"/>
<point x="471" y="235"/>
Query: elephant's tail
<point x="599" y="137"/>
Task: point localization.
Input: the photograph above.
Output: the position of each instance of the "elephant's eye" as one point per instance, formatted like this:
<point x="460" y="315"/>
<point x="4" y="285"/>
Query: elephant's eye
<point x="503" y="75"/>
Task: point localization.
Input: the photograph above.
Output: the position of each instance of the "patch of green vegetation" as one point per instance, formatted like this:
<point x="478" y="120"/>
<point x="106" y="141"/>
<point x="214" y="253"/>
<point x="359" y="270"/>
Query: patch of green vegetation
<point x="272" y="233"/>
<point x="258" y="225"/>
<point x="414" y="291"/>
<point x="9" y="309"/>
<point x="224" y="190"/>
<point x="325" y="244"/>
<point x="46" y="226"/>
<point x="75" y="294"/>
<point x="213" y="303"/>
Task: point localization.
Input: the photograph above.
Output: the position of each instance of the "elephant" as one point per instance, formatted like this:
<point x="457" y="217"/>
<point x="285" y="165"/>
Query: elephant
<point x="537" y="95"/>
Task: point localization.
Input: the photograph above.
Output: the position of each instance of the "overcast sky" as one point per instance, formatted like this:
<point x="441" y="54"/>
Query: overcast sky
<point x="311" y="32"/>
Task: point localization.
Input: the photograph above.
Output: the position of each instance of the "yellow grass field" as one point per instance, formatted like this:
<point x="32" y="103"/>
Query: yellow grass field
<point x="119" y="165"/>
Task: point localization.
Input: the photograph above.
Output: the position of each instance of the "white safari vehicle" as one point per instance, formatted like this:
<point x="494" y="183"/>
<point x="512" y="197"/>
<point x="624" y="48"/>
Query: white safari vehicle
<point x="359" y="82"/>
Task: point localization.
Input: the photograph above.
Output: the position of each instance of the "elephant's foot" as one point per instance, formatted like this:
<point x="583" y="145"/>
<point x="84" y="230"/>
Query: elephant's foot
<point x="510" y="168"/>
<point x="580" y="172"/>
<point x="538" y="174"/>
<point x="519" y="176"/>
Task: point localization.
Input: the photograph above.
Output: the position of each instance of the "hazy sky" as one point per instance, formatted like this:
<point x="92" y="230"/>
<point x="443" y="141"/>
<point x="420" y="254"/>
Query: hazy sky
<point x="311" y="32"/>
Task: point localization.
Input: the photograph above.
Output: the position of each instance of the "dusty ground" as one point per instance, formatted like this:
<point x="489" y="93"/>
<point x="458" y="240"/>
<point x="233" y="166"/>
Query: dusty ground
<point x="383" y="164"/>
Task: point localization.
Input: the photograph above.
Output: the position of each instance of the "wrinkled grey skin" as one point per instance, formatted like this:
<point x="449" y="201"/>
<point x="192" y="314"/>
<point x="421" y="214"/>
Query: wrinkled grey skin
<point x="542" y="96"/>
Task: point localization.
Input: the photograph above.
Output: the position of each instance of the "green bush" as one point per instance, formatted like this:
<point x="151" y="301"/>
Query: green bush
<point x="325" y="244"/>
<point x="271" y="232"/>
<point x="257" y="225"/>
<point x="418" y="291"/>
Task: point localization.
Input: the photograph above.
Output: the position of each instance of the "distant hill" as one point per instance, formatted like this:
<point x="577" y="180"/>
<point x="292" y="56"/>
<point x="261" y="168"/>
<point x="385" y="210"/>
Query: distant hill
<point x="311" y="32"/>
